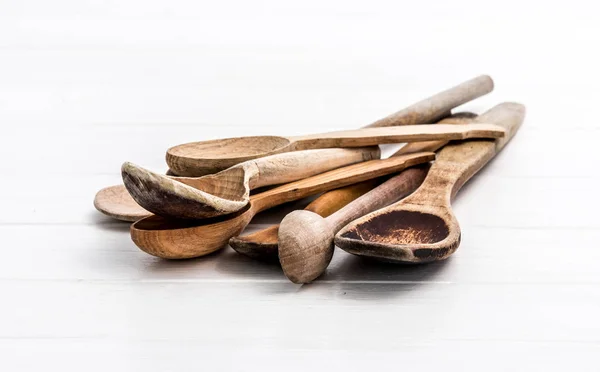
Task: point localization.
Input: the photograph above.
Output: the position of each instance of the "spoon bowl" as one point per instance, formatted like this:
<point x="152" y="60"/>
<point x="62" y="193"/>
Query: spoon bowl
<point x="187" y="197"/>
<point x="201" y="158"/>
<point x="229" y="191"/>
<point x="181" y="239"/>
<point x="408" y="234"/>
<point x="115" y="202"/>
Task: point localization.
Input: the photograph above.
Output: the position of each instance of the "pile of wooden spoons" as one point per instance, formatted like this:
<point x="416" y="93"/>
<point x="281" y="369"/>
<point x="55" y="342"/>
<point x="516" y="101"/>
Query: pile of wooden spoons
<point x="395" y="209"/>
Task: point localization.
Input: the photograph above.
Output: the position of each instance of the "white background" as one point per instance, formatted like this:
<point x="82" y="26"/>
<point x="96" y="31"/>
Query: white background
<point x="86" y="85"/>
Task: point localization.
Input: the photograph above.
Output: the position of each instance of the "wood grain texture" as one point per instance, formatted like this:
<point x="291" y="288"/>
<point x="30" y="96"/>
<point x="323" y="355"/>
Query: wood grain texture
<point x="306" y="239"/>
<point x="115" y="202"/>
<point x="204" y="157"/>
<point x="191" y="159"/>
<point x="388" y="135"/>
<point x="262" y="244"/>
<point x="228" y="191"/>
<point x="433" y="109"/>
<point x="422" y="227"/>
<point x="176" y="239"/>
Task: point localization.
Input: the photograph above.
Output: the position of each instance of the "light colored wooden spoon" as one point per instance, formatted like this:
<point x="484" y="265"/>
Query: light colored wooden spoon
<point x="207" y="157"/>
<point x="263" y="244"/>
<point x="229" y="191"/>
<point x="306" y="239"/>
<point x="422" y="227"/>
<point x="169" y="238"/>
<point x="115" y="201"/>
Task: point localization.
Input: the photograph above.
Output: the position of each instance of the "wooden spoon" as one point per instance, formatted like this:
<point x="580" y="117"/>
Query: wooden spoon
<point x="306" y="239"/>
<point x="170" y="238"/>
<point x="229" y="191"/>
<point x="422" y="227"/>
<point x="262" y="245"/>
<point x="207" y="157"/>
<point x="116" y="202"/>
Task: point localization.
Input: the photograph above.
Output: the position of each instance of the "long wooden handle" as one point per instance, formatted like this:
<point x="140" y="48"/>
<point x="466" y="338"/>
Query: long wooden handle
<point x="385" y="194"/>
<point x="334" y="200"/>
<point x="336" y="178"/>
<point x="409" y="148"/>
<point x="407" y="133"/>
<point x="437" y="106"/>
<point x="457" y="163"/>
<point x="292" y="166"/>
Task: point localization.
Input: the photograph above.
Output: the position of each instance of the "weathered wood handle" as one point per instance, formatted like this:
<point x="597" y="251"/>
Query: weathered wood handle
<point x="292" y="166"/>
<point x="407" y="133"/>
<point x="385" y="194"/>
<point x="461" y="118"/>
<point x="337" y="178"/>
<point x="457" y="163"/>
<point x="437" y="106"/>
<point x="334" y="200"/>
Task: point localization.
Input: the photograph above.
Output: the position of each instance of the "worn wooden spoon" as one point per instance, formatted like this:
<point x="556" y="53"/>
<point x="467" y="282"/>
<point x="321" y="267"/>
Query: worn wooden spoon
<point x="306" y="239"/>
<point x="207" y="157"/>
<point x="169" y="238"/>
<point x="263" y="244"/>
<point x="422" y="227"/>
<point x="229" y="191"/>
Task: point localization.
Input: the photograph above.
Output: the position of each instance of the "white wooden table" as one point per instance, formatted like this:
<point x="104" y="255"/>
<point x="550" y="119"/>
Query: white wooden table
<point x="86" y="85"/>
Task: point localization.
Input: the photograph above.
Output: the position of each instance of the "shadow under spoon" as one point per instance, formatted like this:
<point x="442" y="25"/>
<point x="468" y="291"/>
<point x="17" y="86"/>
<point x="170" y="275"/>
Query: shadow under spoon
<point x="263" y="244"/>
<point x="176" y="239"/>
<point x="422" y="227"/>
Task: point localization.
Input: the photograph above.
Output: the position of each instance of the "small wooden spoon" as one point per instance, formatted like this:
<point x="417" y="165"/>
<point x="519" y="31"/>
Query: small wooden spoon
<point x="207" y="157"/>
<point x="168" y="238"/>
<point x="263" y="244"/>
<point x="229" y="191"/>
<point x="306" y="239"/>
<point x="422" y="227"/>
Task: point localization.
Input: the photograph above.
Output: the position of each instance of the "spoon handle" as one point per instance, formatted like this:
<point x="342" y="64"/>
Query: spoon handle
<point x="292" y="166"/>
<point x="456" y="163"/>
<point x="336" y="178"/>
<point x="439" y="105"/>
<point x="407" y="133"/>
<point x="385" y="194"/>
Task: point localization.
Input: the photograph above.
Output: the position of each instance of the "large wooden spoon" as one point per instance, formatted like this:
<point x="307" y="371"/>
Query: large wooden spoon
<point x="207" y="157"/>
<point x="263" y="244"/>
<point x="229" y="191"/>
<point x="175" y="239"/>
<point x="306" y="239"/>
<point x="116" y="202"/>
<point x="422" y="227"/>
